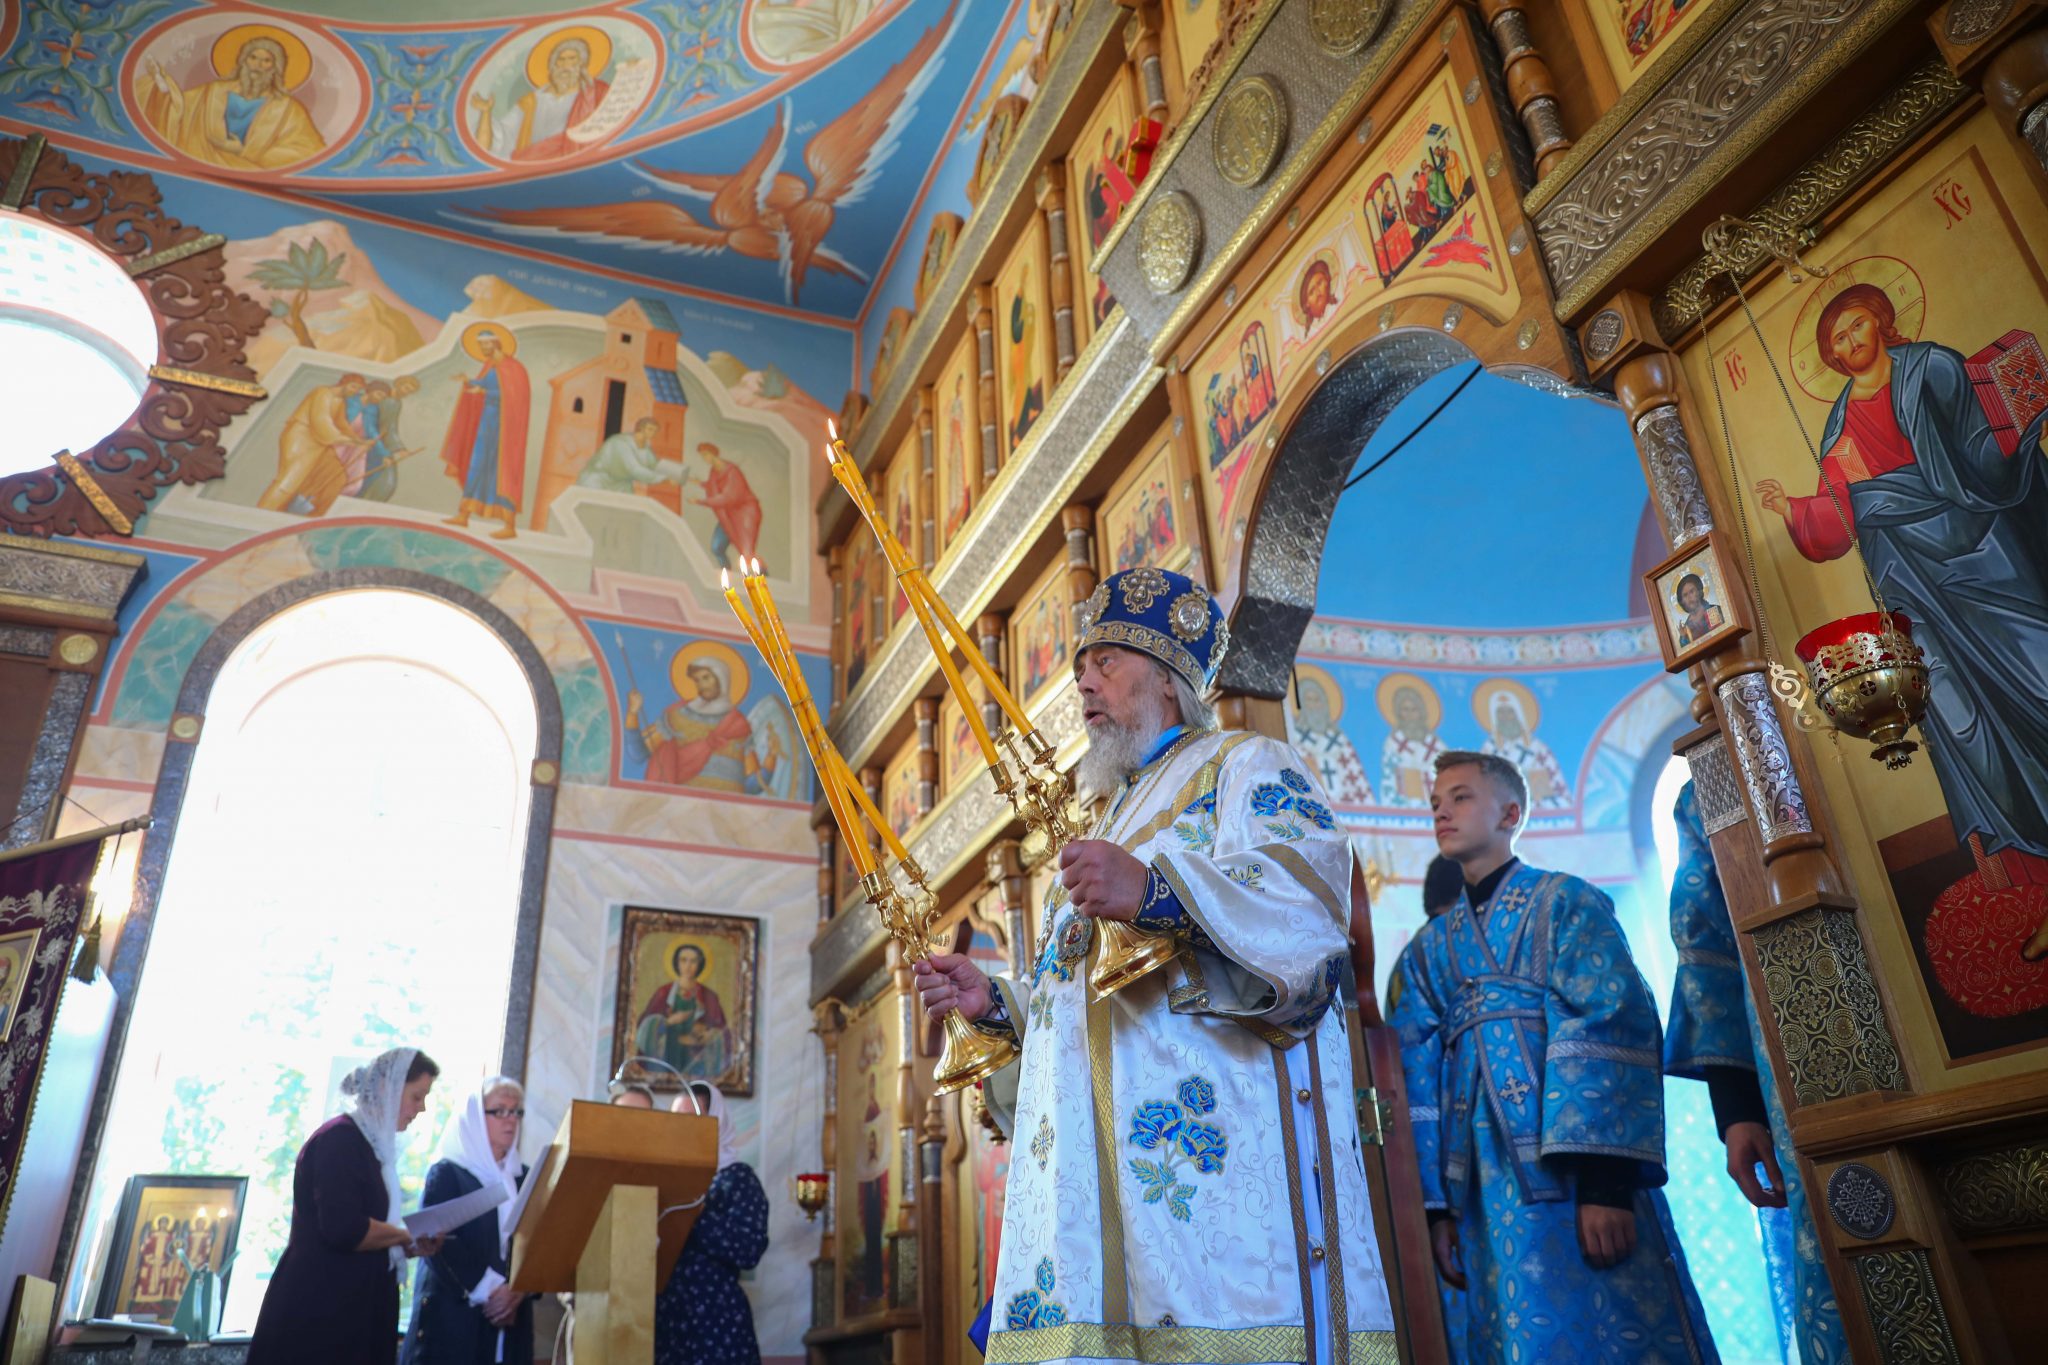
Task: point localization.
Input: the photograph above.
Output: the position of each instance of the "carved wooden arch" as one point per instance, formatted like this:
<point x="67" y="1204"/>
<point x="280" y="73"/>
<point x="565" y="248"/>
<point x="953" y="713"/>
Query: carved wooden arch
<point x="202" y="380"/>
<point x="1322" y="424"/>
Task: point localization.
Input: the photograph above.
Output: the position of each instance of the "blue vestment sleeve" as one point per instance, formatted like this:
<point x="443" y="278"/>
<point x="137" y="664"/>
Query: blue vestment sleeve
<point x="1603" y="1083"/>
<point x="1417" y="1021"/>
<point x="1709" y="1027"/>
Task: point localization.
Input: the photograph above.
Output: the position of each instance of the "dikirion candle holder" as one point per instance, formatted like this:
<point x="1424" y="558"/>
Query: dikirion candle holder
<point x="1019" y="760"/>
<point x="969" y="1055"/>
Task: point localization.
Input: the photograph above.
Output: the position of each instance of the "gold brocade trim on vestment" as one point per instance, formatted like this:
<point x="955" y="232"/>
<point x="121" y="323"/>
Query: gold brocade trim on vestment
<point x="1290" y="1146"/>
<point x="1176" y="1345"/>
<point x="1116" y="1292"/>
<point x="1333" y="1235"/>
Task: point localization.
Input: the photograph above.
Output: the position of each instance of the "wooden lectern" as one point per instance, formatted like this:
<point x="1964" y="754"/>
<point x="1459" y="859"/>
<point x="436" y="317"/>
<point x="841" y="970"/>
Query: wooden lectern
<point x="592" y="1224"/>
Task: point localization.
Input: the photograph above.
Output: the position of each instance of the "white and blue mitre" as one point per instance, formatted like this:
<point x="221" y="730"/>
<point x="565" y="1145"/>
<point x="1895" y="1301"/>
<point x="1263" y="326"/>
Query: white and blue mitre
<point x="1166" y="615"/>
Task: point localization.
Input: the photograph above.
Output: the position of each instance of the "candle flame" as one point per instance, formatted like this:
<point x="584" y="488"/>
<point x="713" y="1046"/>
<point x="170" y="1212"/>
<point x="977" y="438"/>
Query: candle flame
<point x="831" y="455"/>
<point x="725" y="579"/>
<point x="832" y="428"/>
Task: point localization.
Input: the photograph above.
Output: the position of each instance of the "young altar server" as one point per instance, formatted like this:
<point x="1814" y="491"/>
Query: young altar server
<point x="1187" y="1184"/>
<point x="1535" y="1090"/>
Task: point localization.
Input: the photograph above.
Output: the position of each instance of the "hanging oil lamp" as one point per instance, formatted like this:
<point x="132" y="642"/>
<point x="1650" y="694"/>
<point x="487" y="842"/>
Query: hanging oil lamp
<point x="1864" y="671"/>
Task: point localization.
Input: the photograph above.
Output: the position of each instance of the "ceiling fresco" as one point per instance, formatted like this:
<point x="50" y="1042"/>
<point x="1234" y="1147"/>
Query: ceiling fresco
<point x="764" y="150"/>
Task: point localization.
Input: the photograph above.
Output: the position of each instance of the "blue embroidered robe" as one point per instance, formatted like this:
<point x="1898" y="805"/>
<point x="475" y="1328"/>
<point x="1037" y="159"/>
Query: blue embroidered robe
<point x="1709" y="1029"/>
<point x="1528" y="1039"/>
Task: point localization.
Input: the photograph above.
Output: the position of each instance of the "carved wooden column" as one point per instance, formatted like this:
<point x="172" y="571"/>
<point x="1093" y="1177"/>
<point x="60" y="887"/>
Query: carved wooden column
<point x="982" y="315"/>
<point x="931" y="1150"/>
<point x="1242" y="711"/>
<point x="829" y="1021"/>
<point x="1144" y="48"/>
<point x="1079" y="523"/>
<point x="827" y="835"/>
<point x="902" y="1244"/>
<point x="927" y="481"/>
<point x="1992" y="45"/>
<point x="58" y="601"/>
<point x="1530" y="87"/>
<point x="1006" y="872"/>
<point x="871" y="781"/>
<point x="842" y="645"/>
<point x="1833" y="1049"/>
<point x="926" y="710"/>
<point x="1052" y="201"/>
<point x="990" y="632"/>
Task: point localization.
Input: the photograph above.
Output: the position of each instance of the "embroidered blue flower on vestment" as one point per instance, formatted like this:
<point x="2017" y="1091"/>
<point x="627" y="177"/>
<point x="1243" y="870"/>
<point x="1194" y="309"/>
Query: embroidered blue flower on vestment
<point x="1295" y="780"/>
<point x="1155" y="1122"/>
<point x="1035" y="1307"/>
<point x="1170" y="1129"/>
<point x="1249" y="876"/>
<point x="1270" y="798"/>
<point x="1316" y="813"/>
<point x="1205" y="1145"/>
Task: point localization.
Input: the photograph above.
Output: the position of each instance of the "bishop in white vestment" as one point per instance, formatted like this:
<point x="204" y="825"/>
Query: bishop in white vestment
<point x="1187" y="1181"/>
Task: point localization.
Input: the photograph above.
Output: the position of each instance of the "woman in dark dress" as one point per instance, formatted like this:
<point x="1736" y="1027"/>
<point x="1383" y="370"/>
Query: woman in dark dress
<point x="702" y="1316"/>
<point x="334" y="1297"/>
<point x="463" y="1312"/>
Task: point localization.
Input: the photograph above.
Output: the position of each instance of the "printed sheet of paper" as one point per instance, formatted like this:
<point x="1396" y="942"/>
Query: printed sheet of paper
<point x="445" y="1217"/>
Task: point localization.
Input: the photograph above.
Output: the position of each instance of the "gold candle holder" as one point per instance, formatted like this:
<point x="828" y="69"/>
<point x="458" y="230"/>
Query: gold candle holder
<point x="969" y="1056"/>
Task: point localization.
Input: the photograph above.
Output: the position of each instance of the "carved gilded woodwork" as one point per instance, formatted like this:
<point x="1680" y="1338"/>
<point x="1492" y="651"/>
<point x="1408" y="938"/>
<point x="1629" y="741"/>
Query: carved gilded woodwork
<point x="1829" y="1018"/>
<point x="1868" y="144"/>
<point x="1904" y="1308"/>
<point x="203" y="327"/>
<point x="1668" y="143"/>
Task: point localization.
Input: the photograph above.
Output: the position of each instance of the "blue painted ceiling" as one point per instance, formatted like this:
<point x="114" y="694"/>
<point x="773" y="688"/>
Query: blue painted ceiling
<point x="769" y="151"/>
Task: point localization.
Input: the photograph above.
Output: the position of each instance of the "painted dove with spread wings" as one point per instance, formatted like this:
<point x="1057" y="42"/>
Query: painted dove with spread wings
<point x="760" y="210"/>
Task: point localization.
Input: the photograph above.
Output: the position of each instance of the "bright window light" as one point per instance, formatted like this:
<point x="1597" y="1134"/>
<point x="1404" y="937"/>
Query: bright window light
<point x="77" y="339"/>
<point x="345" y="878"/>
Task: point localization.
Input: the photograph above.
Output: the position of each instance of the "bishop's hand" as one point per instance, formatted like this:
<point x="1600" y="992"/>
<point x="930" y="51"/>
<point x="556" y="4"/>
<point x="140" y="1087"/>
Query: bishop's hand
<point x="949" y="981"/>
<point x="1102" y="880"/>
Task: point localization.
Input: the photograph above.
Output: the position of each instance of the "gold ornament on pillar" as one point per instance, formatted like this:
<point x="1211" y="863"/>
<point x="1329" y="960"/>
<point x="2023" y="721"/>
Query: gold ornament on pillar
<point x="1867" y="675"/>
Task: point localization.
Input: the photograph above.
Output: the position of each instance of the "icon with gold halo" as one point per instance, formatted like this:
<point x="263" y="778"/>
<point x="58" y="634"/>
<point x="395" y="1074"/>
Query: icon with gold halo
<point x="1508" y="711"/>
<point x="1315" y="706"/>
<point x="1408" y="756"/>
<point x="563" y="91"/>
<point x="256" y="100"/>
<point x="712" y="737"/>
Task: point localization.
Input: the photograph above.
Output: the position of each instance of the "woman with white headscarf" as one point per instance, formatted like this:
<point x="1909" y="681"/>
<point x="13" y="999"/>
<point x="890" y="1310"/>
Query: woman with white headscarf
<point x="702" y="1316"/>
<point x="334" y="1297"/>
<point x="463" y="1312"/>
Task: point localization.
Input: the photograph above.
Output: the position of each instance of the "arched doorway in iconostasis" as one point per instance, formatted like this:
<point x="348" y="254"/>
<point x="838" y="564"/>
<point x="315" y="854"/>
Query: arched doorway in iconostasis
<point x="1459" y="553"/>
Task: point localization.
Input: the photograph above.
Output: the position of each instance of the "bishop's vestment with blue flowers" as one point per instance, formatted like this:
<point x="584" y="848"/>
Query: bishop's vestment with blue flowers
<point x="1189" y="1184"/>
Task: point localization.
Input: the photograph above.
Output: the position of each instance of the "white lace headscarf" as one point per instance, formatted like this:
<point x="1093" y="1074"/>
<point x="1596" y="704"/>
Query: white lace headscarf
<point x="467" y="1143"/>
<point x="376" y="1089"/>
<point x="728" y="1139"/>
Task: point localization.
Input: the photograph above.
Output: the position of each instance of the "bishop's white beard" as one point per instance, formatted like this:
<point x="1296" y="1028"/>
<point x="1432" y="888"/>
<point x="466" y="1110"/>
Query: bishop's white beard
<point x="1116" y="751"/>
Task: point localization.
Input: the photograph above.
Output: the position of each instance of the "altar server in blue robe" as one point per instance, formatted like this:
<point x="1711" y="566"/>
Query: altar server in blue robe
<point x="1535" y="1088"/>
<point x="1714" y="1038"/>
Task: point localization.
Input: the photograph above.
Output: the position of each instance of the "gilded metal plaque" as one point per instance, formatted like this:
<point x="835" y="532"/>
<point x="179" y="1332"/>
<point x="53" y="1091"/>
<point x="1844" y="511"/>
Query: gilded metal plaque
<point x="78" y="650"/>
<point x="1342" y="27"/>
<point x="1250" y="130"/>
<point x="1169" y="241"/>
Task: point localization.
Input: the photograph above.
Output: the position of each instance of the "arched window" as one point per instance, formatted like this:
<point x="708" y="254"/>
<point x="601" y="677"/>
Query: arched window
<point x="345" y="878"/>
